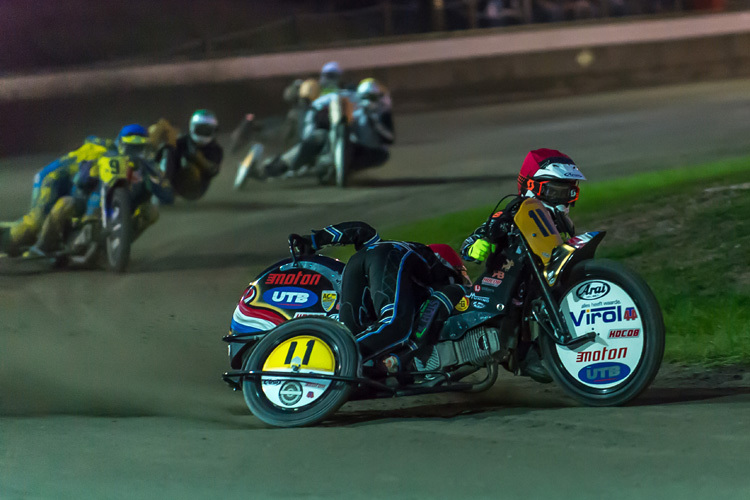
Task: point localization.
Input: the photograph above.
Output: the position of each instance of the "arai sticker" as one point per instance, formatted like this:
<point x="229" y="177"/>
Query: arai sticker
<point x="602" y="307"/>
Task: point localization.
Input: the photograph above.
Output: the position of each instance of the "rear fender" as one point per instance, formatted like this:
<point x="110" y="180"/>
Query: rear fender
<point x="307" y="286"/>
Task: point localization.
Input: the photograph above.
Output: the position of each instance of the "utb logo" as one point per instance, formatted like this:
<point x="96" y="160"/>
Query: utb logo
<point x="290" y="297"/>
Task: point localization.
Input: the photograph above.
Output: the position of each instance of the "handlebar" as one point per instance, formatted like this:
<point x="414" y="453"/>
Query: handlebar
<point x="298" y="246"/>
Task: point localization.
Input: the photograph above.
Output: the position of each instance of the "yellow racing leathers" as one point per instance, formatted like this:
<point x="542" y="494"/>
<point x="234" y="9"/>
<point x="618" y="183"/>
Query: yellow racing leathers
<point x="52" y="183"/>
<point x="144" y="180"/>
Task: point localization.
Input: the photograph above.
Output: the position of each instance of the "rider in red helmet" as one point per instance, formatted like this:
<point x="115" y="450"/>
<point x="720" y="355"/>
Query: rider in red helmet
<point x="546" y="174"/>
<point x="395" y="294"/>
<point x="551" y="177"/>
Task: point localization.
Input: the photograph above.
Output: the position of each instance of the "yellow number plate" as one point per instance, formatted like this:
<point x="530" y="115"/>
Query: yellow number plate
<point x="302" y="352"/>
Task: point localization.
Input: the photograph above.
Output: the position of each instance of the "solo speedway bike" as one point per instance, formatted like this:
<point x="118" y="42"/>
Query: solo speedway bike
<point x="598" y="326"/>
<point x="103" y="236"/>
<point x="333" y="163"/>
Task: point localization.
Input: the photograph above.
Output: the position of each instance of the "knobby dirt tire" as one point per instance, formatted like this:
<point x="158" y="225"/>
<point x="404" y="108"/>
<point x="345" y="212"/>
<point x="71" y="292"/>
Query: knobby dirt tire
<point x="653" y="332"/>
<point x="346" y="355"/>
<point x="121" y="227"/>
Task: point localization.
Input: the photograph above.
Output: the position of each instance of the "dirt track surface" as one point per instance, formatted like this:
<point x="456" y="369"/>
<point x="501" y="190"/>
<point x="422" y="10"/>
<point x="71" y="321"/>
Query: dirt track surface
<point x="110" y="388"/>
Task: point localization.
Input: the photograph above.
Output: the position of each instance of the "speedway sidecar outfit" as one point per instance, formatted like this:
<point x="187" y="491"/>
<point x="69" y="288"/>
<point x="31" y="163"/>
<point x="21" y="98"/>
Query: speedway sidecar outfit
<point x="314" y="135"/>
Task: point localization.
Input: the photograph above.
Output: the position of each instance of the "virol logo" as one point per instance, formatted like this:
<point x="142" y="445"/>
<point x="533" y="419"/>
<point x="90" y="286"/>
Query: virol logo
<point x="592" y="290"/>
<point x="298" y="278"/>
<point x="604" y="373"/>
<point x="598" y="315"/>
<point x="290" y="297"/>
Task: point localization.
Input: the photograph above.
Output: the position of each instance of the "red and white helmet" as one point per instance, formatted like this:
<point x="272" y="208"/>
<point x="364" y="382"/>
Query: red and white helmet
<point x="450" y="258"/>
<point x="550" y="176"/>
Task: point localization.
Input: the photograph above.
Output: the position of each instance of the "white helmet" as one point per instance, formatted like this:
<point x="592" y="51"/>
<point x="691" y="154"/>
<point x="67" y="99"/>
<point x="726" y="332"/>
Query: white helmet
<point x="369" y="90"/>
<point x="203" y="126"/>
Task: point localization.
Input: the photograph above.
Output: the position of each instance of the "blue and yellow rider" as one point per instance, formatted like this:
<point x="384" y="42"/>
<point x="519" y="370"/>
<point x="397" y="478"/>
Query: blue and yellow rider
<point x="132" y="151"/>
<point x="50" y="184"/>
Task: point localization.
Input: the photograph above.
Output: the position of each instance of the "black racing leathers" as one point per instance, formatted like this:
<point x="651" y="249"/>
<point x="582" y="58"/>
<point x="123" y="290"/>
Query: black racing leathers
<point x="383" y="286"/>
<point x="190" y="167"/>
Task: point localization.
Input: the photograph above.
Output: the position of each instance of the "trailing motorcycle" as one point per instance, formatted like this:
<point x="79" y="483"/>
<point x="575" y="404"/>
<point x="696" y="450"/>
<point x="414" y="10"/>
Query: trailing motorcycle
<point x="331" y="166"/>
<point x="103" y="236"/>
<point x="598" y="326"/>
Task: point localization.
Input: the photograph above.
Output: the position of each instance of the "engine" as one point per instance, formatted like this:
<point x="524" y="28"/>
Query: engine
<point x="476" y="348"/>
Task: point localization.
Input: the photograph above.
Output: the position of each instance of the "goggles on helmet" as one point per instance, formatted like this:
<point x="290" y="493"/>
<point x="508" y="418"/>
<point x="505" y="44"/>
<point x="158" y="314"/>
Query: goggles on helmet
<point x="204" y="129"/>
<point x="554" y="192"/>
<point x="132" y="145"/>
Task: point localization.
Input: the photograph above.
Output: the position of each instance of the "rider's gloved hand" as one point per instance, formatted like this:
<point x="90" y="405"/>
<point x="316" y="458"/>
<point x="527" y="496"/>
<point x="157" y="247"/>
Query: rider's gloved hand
<point x="304" y="245"/>
<point x="480" y="249"/>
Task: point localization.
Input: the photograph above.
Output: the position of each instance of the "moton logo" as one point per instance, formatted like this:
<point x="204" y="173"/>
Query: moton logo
<point x="290" y="297"/>
<point x="592" y="290"/>
<point x="298" y="278"/>
<point x="603" y="373"/>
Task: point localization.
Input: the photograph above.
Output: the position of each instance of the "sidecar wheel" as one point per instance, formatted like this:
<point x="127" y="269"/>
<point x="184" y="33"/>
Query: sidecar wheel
<point x="614" y="302"/>
<point x="305" y="345"/>
<point x="121" y="231"/>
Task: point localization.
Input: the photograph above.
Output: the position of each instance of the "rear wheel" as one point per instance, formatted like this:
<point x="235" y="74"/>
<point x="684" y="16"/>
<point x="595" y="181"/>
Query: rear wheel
<point x="120" y="230"/>
<point x="307" y="345"/>
<point x="609" y="299"/>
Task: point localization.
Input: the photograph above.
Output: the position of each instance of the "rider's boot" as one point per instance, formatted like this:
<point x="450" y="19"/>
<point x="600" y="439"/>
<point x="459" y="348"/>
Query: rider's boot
<point x="144" y="216"/>
<point x="532" y="366"/>
<point x="398" y="367"/>
<point x="273" y="167"/>
<point x="16" y="236"/>
<point x="6" y="244"/>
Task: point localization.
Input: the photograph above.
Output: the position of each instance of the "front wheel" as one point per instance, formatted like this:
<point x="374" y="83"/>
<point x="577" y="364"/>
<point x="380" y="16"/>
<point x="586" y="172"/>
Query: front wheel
<point x="611" y="300"/>
<point x="120" y="236"/>
<point x="306" y="345"/>
<point x="249" y="167"/>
